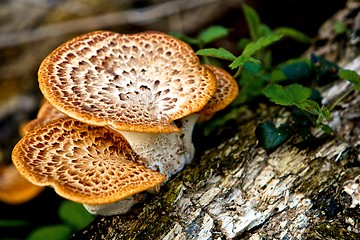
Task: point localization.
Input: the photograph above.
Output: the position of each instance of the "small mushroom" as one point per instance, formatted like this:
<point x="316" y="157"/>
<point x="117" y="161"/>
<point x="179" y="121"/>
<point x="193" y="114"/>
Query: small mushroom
<point x="226" y="92"/>
<point x="14" y="188"/>
<point x="86" y="164"/>
<point x="132" y="82"/>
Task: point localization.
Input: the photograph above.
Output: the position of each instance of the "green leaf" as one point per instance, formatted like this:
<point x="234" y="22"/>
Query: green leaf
<point x="250" y="85"/>
<point x="350" y="75"/>
<point x="253" y="47"/>
<point x="293" y="33"/>
<point x="253" y="21"/>
<point x="217" y="53"/>
<point x="252" y="67"/>
<point x="340" y="28"/>
<point x="12" y="223"/>
<point x="53" y="232"/>
<point x="294" y="94"/>
<point x="261" y="43"/>
<point x="324" y="70"/>
<point x="326" y="128"/>
<point x="314" y="108"/>
<point x="212" y="33"/>
<point x="270" y="136"/>
<point x="264" y="30"/>
<point x="277" y="75"/>
<point x="310" y="106"/>
<point x="243" y="42"/>
<point x="241" y="60"/>
<point x="296" y="70"/>
<point x="74" y="215"/>
<point x="185" y="38"/>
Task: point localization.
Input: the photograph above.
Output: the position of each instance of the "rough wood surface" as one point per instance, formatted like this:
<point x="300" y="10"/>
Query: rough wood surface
<point x="237" y="190"/>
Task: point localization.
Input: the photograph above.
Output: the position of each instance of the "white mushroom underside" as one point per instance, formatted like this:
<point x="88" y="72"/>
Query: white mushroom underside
<point x="119" y="207"/>
<point x="164" y="152"/>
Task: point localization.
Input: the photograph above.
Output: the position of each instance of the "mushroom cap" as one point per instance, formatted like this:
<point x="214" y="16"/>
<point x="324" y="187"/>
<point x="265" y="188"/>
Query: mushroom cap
<point x="46" y="114"/>
<point x="133" y="82"/>
<point x="84" y="163"/>
<point x="14" y="188"/>
<point x="226" y="91"/>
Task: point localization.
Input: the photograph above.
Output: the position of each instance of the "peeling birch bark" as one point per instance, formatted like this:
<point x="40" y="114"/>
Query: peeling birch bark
<point x="237" y="190"/>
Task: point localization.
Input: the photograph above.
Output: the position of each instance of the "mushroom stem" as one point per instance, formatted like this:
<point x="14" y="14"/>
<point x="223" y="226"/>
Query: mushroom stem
<point x="119" y="207"/>
<point x="187" y="126"/>
<point x="164" y="152"/>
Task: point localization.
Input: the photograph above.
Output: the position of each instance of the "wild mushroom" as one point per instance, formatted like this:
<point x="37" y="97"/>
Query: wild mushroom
<point x="136" y="84"/>
<point x="84" y="163"/>
<point x="131" y="82"/>
<point x="226" y="92"/>
<point x="14" y="188"/>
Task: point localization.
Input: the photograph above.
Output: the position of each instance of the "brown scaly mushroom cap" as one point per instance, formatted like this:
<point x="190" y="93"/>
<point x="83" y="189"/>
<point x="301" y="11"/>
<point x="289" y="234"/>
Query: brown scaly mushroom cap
<point x="226" y="91"/>
<point x="163" y="151"/>
<point x="84" y="163"/>
<point x="132" y="82"/>
<point x="46" y="114"/>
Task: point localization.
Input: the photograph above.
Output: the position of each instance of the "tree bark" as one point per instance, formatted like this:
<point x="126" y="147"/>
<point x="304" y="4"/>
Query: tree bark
<point x="237" y="190"/>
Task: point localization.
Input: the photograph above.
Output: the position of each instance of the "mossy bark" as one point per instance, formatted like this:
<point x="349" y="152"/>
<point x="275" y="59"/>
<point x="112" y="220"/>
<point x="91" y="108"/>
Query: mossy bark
<point x="237" y="190"/>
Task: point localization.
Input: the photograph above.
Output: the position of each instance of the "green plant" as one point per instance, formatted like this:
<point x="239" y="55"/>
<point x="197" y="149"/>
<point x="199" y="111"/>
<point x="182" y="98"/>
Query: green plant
<point x="287" y="84"/>
<point x="253" y="69"/>
<point x="74" y="217"/>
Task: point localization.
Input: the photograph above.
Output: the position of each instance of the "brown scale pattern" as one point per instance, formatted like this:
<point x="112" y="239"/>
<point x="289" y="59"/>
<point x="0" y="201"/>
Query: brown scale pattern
<point x="46" y="114"/>
<point x="226" y="91"/>
<point x="132" y="82"/>
<point x="86" y="164"/>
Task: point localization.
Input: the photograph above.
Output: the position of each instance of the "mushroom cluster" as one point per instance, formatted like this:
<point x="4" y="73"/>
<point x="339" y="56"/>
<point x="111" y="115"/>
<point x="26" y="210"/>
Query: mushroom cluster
<point x="118" y="117"/>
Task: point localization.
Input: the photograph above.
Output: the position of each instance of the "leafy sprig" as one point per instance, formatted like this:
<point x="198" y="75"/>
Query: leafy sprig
<point x="285" y="84"/>
<point x="298" y="96"/>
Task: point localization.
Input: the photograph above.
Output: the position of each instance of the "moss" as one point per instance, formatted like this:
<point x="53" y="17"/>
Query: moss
<point x="335" y="219"/>
<point x="331" y="230"/>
